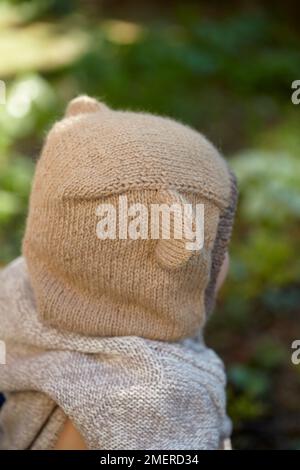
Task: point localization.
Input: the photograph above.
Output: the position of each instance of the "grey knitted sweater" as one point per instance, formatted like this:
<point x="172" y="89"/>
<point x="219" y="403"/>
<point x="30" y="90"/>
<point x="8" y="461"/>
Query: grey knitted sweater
<point x="120" y="392"/>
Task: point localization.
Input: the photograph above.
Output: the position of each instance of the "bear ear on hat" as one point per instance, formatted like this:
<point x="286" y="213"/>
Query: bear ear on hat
<point x="172" y="251"/>
<point x="84" y="105"/>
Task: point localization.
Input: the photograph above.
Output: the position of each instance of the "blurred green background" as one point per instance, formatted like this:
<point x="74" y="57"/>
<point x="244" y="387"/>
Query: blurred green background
<point x="226" y="68"/>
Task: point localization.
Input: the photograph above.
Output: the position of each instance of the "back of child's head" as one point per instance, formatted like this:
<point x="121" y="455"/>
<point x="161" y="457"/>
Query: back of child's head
<point x="95" y="161"/>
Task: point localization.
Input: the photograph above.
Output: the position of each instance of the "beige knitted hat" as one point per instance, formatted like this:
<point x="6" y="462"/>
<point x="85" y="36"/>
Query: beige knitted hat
<point x="154" y="288"/>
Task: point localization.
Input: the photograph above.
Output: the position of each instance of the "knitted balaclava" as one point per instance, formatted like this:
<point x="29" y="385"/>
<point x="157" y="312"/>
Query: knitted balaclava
<point x="154" y="288"/>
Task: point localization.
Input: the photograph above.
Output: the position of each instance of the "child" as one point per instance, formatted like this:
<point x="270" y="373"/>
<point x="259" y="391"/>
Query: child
<point x="103" y="331"/>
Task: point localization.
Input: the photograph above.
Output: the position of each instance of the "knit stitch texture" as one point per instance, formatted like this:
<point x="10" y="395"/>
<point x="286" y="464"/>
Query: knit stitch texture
<point x="104" y="331"/>
<point x="148" y="288"/>
<point x="121" y="393"/>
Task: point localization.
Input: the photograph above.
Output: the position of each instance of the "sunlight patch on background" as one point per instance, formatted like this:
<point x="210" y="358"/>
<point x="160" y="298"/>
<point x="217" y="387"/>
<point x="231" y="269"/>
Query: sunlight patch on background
<point x="122" y="32"/>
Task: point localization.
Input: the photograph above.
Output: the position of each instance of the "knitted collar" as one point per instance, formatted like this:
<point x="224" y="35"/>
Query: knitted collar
<point x="120" y="393"/>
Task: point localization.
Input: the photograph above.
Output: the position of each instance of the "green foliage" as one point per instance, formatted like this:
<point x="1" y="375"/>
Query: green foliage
<point x="227" y="75"/>
<point x="266" y="252"/>
<point x="15" y="180"/>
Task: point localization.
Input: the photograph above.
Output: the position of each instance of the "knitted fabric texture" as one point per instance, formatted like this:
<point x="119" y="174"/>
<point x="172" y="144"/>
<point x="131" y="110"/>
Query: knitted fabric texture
<point x="121" y="393"/>
<point x="149" y="288"/>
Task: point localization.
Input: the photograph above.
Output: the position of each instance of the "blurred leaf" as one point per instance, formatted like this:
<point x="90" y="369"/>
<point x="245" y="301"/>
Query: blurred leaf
<point x="251" y="380"/>
<point x="9" y="205"/>
<point x="39" y="47"/>
<point x="243" y="408"/>
<point x="270" y="353"/>
<point x="31" y="102"/>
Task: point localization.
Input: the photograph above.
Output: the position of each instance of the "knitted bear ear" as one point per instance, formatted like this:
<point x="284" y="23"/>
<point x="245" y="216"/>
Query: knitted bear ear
<point x="84" y="105"/>
<point x="173" y="247"/>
